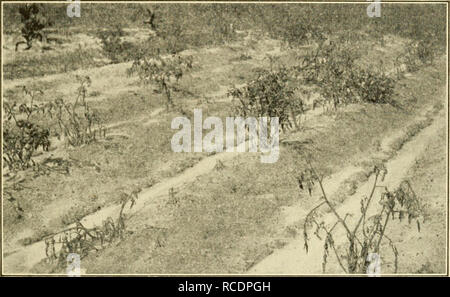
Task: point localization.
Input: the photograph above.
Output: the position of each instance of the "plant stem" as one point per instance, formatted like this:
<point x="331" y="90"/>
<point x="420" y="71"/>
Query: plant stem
<point x="367" y="206"/>
<point x="333" y="209"/>
<point x="377" y="247"/>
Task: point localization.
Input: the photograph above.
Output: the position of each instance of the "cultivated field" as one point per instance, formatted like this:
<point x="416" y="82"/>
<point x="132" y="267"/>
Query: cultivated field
<point x="88" y="165"/>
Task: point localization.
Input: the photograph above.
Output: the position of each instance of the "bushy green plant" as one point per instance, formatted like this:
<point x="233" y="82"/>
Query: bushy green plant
<point x="114" y="48"/>
<point x="33" y="22"/>
<point x="20" y="141"/>
<point x="271" y="94"/>
<point x="332" y="68"/>
<point x="373" y="87"/>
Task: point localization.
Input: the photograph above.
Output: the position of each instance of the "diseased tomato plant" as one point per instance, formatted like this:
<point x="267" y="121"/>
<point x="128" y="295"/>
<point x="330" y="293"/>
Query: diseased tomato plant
<point x="77" y="122"/>
<point x="82" y="240"/>
<point x="164" y="71"/>
<point x="369" y="231"/>
<point x="21" y="136"/>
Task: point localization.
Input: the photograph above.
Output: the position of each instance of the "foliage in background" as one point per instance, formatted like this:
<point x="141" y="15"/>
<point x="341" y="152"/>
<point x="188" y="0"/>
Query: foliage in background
<point x="332" y="69"/>
<point x="33" y="22"/>
<point x="182" y="26"/>
<point x="114" y="48"/>
<point x="417" y="53"/>
<point x="206" y="20"/>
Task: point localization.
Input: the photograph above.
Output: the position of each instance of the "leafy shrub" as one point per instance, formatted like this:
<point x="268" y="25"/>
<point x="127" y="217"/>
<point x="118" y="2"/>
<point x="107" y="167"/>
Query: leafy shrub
<point x="418" y="53"/>
<point x="33" y="22"/>
<point x="114" y="48"/>
<point x="333" y="70"/>
<point x="21" y="141"/>
<point x="21" y="136"/>
<point x="271" y="94"/>
<point x="373" y="87"/>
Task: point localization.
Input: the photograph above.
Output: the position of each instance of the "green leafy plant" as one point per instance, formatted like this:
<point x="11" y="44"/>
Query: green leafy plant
<point x="271" y="94"/>
<point x="332" y="69"/>
<point x="417" y="53"/>
<point x="114" y="47"/>
<point x="33" y="22"/>
<point x="21" y="141"/>
<point x="370" y="230"/>
<point x="373" y="87"/>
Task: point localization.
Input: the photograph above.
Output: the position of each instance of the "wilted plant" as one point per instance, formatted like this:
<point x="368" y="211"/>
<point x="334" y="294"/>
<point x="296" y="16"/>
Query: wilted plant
<point x="82" y="240"/>
<point x="10" y="187"/>
<point x="21" y="136"/>
<point x="77" y="122"/>
<point x="369" y="232"/>
<point x="164" y="71"/>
